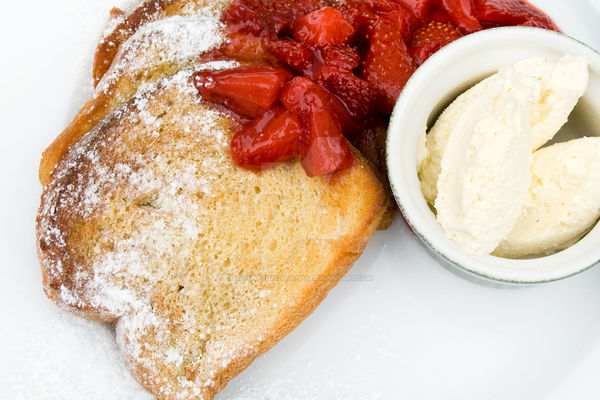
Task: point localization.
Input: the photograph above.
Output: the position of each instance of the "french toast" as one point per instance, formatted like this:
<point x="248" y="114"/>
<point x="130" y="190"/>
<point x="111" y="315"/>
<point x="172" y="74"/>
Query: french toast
<point x="155" y="40"/>
<point x="151" y="41"/>
<point x="203" y="266"/>
<point x="123" y="25"/>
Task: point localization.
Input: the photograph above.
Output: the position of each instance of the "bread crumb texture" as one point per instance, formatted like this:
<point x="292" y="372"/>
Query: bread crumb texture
<point x="202" y="265"/>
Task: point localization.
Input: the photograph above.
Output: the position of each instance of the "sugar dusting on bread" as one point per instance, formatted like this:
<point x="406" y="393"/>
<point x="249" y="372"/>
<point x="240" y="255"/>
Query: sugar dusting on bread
<point x="148" y="223"/>
<point x="175" y="39"/>
<point x="109" y="283"/>
<point x="119" y="282"/>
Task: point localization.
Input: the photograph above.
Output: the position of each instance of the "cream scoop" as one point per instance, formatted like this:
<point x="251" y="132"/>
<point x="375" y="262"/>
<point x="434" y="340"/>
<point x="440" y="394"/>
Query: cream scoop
<point x="563" y="201"/>
<point x="556" y="87"/>
<point x="484" y="174"/>
<point x="476" y="165"/>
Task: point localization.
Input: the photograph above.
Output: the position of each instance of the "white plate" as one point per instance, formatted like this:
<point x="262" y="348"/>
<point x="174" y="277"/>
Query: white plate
<point x="413" y="331"/>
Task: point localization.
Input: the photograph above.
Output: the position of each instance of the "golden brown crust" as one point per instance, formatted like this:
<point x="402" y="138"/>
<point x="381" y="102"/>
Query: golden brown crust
<point x="89" y="209"/>
<point x="109" y="46"/>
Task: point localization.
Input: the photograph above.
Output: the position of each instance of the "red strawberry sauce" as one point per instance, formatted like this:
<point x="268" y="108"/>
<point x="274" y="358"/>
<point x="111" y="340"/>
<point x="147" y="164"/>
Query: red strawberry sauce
<point x="319" y="74"/>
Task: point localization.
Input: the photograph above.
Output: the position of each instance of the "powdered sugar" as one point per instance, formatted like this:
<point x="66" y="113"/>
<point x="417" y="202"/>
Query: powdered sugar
<point x="114" y="21"/>
<point x="66" y="358"/>
<point x="67" y="296"/>
<point x="122" y="273"/>
<point x="118" y="275"/>
<point x="175" y="39"/>
<point x="218" y="65"/>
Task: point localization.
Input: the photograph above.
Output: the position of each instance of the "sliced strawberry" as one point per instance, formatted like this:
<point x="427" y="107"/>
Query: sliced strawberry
<point x="365" y="13"/>
<point x="270" y="138"/>
<point x="512" y="12"/>
<point x="420" y="8"/>
<point x="248" y="91"/>
<point x="249" y="47"/>
<point x="238" y="17"/>
<point x="462" y="14"/>
<point x="404" y="18"/>
<point x="248" y="39"/>
<point x="327" y="150"/>
<point x="292" y="98"/>
<point x="344" y="57"/>
<point x="358" y="13"/>
<point x="359" y="96"/>
<point x="387" y="65"/>
<point x="292" y="53"/>
<point x="323" y="147"/>
<point x="431" y="37"/>
<point x="324" y="27"/>
<point x="279" y="15"/>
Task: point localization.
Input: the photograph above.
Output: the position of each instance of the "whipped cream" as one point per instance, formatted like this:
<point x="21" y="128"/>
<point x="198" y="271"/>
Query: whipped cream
<point x="563" y="201"/>
<point x="481" y="187"/>
<point x="556" y="86"/>
<point x="476" y="168"/>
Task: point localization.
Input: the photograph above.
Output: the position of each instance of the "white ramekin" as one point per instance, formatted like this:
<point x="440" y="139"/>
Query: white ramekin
<point x="439" y="80"/>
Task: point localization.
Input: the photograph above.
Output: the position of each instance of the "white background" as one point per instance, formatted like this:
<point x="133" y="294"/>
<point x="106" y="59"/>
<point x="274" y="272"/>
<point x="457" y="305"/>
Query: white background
<point x="416" y="331"/>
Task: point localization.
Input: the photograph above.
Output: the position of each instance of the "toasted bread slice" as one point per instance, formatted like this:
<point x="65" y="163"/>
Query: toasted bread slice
<point x="155" y="40"/>
<point x="202" y="265"/>
<point x="125" y="26"/>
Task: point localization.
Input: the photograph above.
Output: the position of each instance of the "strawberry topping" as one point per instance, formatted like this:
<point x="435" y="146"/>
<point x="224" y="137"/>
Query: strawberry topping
<point x="420" y="8"/>
<point x="323" y="147"/>
<point x="351" y="59"/>
<point x="511" y="12"/>
<point x="359" y="96"/>
<point x="438" y="14"/>
<point x="326" y="148"/>
<point x="405" y="20"/>
<point x="344" y="58"/>
<point x="270" y="138"/>
<point x="462" y="15"/>
<point x="240" y="18"/>
<point x="387" y="65"/>
<point x="279" y="15"/>
<point x="248" y="91"/>
<point x="246" y="47"/>
<point x="324" y="27"/>
<point x="431" y="37"/>
<point x="291" y="98"/>
<point x="292" y="53"/>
